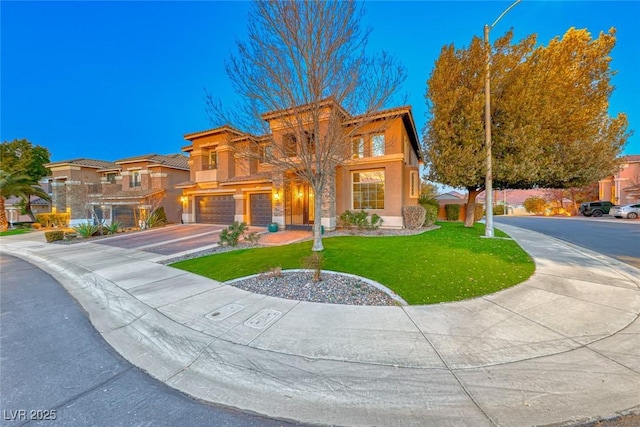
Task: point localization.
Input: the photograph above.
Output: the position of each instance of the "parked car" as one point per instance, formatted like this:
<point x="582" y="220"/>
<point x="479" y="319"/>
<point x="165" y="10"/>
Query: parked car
<point x="631" y="211"/>
<point x="598" y="208"/>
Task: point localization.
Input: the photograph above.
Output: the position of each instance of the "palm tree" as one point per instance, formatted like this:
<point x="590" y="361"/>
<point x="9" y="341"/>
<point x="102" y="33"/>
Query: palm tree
<point x="14" y="184"/>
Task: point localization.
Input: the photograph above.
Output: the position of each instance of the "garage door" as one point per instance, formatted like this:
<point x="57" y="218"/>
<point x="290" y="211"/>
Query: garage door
<point x="215" y="209"/>
<point x="124" y="215"/>
<point x="260" y="209"/>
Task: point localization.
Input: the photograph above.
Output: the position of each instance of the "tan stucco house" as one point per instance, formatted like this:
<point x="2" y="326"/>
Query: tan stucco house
<point x="381" y="175"/>
<point x="125" y="190"/>
<point x="623" y="187"/>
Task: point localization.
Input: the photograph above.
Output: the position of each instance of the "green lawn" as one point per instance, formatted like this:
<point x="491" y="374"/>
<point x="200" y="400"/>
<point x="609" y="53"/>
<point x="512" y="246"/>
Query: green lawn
<point x="15" y="231"/>
<point x="448" y="264"/>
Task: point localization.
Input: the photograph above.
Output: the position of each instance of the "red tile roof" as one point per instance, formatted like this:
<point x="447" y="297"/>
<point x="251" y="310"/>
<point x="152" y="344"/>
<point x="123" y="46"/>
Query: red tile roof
<point x="89" y="163"/>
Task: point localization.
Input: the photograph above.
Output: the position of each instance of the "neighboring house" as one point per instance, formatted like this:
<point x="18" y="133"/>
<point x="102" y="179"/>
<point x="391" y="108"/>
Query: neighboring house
<point x="125" y="191"/>
<point x="623" y="187"/>
<point x="13" y="206"/>
<point x="381" y="177"/>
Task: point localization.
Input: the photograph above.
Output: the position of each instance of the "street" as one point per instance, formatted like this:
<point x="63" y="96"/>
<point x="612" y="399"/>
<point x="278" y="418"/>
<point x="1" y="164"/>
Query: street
<point x="57" y="368"/>
<point x="616" y="238"/>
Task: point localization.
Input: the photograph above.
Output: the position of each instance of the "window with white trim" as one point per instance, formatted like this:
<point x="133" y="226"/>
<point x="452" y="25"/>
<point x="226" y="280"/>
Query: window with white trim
<point x="213" y="160"/>
<point x="135" y="179"/>
<point x="414" y="183"/>
<point x="377" y="145"/>
<point x="368" y="189"/>
<point x="290" y="145"/>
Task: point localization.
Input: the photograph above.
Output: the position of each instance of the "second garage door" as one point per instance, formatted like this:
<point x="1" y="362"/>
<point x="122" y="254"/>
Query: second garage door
<point x="215" y="209"/>
<point x="260" y="209"/>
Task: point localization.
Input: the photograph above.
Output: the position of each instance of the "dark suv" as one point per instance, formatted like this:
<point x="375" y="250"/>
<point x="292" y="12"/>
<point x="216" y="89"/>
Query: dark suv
<point x="595" y="208"/>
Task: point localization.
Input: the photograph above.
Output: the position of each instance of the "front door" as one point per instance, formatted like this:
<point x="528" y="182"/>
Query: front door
<point x="299" y="206"/>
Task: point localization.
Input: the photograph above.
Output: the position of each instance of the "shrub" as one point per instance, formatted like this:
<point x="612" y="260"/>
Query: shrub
<point x="87" y="230"/>
<point x="498" y="210"/>
<point x="431" y="215"/>
<point x="157" y="218"/>
<point x="53" y="236"/>
<point x="231" y="234"/>
<point x="274" y="272"/>
<point x="49" y="220"/>
<point x="535" y="205"/>
<point x="113" y="228"/>
<point x="346" y="220"/>
<point x="426" y="200"/>
<point x="36" y="226"/>
<point x="376" y="222"/>
<point x="252" y="237"/>
<point x="452" y="212"/>
<point x="413" y="216"/>
<point x="360" y="220"/>
<point x="478" y="212"/>
<point x="314" y="262"/>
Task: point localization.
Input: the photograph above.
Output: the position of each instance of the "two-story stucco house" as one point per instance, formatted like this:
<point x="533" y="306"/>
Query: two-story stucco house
<point x="623" y="187"/>
<point x="124" y="191"/>
<point x="380" y="176"/>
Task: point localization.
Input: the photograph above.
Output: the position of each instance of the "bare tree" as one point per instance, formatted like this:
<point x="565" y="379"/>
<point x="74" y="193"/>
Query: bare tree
<point x="304" y="71"/>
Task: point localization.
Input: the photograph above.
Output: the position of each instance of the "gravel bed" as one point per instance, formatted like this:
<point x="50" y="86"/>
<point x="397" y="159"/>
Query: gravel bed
<point x="333" y="288"/>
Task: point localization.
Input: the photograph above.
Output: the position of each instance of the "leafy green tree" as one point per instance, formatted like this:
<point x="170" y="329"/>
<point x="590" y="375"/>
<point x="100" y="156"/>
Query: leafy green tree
<point x="550" y="121"/>
<point x="14" y="184"/>
<point x="21" y="157"/>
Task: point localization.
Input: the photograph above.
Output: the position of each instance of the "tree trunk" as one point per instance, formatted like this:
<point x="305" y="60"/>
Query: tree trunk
<point x="27" y="207"/>
<point x="317" y="222"/>
<point x="4" y="223"/>
<point x="469" y="218"/>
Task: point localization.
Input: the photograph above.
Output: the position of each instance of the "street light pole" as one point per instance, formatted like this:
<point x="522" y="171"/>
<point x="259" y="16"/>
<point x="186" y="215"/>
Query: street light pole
<point x="488" y="182"/>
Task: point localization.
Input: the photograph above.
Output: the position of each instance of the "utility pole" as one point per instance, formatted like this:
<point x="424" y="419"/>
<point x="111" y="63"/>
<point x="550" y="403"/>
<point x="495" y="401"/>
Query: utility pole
<point x="488" y="183"/>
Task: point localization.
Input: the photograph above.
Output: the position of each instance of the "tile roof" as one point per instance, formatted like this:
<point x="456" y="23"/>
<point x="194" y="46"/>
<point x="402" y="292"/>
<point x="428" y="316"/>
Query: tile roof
<point x="35" y="200"/>
<point x="220" y="129"/>
<point x="185" y="184"/>
<point x="631" y="158"/>
<point x="178" y="161"/>
<point x="89" y="163"/>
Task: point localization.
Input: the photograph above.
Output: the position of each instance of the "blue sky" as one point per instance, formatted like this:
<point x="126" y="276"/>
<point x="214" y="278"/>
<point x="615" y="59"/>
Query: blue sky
<point x="108" y="80"/>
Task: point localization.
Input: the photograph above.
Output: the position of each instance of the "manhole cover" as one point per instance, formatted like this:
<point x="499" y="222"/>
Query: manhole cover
<point x="224" y="312"/>
<point x="263" y="318"/>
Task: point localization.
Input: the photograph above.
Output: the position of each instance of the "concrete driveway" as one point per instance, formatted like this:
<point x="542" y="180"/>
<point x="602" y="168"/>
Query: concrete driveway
<point x="173" y="240"/>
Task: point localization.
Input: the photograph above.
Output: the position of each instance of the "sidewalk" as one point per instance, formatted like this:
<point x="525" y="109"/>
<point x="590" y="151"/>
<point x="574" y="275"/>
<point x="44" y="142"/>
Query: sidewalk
<point x="563" y="346"/>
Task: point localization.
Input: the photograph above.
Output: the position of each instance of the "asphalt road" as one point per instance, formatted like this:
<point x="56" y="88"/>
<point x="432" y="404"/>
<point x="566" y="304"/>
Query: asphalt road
<point x="617" y="238"/>
<point x="56" y="368"/>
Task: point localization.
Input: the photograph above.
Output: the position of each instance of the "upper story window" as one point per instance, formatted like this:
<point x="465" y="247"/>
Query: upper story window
<point x="311" y="142"/>
<point x="135" y="179"/>
<point x="111" y="178"/>
<point x="213" y="160"/>
<point x="377" y="145"/>
<point x="265" y="153"/>
<point x="289" y="145"/>
<point x="357" y="148"/>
